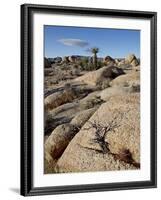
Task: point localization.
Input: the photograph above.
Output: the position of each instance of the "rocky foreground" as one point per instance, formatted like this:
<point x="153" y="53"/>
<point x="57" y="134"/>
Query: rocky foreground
<point x="92" y="118"/>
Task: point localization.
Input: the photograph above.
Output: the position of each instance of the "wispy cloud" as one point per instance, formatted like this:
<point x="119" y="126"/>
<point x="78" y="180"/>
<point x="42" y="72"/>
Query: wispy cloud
<point x="73" y="42"/>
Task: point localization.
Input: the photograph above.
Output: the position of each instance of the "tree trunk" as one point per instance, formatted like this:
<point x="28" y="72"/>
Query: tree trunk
<point x="95" y="60"/>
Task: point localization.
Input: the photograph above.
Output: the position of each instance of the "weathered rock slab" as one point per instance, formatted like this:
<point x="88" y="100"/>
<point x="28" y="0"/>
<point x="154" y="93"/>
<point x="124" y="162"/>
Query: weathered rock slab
<point x="59" y="139"/>
<point x="84" y="152"/>
<point x="98" y="77"/>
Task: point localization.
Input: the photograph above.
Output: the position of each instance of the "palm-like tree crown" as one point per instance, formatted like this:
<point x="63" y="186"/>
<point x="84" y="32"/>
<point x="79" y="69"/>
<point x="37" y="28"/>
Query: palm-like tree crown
<point x="94" y="50"/>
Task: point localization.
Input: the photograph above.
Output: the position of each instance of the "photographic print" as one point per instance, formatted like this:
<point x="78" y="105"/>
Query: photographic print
<point x="91" y="99"/>
<point x="88" y="99"/>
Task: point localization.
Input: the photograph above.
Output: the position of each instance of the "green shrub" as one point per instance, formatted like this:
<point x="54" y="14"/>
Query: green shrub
<point x="84" y="63"/>
<point x="99" y="64"/>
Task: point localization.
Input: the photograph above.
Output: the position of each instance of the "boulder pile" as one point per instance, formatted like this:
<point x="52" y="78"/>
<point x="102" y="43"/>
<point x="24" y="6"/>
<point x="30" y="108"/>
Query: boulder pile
<point x="92" y="118"/>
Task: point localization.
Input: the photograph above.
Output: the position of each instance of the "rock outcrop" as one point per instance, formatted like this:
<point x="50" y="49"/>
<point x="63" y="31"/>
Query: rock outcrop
<point x="100" y="76"/>
<point x="47" y="63"/>
<point x="123" y="135"/>
<point x="59" y="139"/>
<point x="126" y="80"/>
<point x="132" y="60"/>
<point x="82" y="117"/>
<point x="77" y="111"/>
<point x="65" y="59"/>
<point x="58" y="98"/>
<point x="108" y="60"/>
<point x="88" y="160"/>
<point x="91" y="119"/>
<point x="66" y="93"/>
<point x="57" y="60"/>
<point x="72" y="59"/>
<point x="112" y="91"/>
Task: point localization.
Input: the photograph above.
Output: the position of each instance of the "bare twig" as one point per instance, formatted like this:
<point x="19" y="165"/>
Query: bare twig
<point x="100" y="133"/>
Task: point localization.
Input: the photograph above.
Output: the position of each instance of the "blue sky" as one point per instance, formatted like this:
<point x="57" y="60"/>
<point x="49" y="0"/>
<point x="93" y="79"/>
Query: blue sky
<point x="66" y="40"/>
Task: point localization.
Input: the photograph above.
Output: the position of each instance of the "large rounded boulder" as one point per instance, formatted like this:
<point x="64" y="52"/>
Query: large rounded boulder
<point x="108" y="60"/>
<point x="65" y="59"/>
<point x="57" y="60"/>
<point x="101" y="76"/>
<point x="131" y="79"/>
<point x="58" y="98"/>
<point x="72" y="59"/>
<point x="59" y="139"/>
<point x="132" y="60"/>
<point x="82" y="117"/>
<point x="109" y="140"/>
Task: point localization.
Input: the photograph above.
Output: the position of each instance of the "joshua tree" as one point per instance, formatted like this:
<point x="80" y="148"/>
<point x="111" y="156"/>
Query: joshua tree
<point x="94" y="51"/>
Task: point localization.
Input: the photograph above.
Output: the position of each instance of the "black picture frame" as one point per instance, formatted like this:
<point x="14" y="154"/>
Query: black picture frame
<point x="27" y="188"/>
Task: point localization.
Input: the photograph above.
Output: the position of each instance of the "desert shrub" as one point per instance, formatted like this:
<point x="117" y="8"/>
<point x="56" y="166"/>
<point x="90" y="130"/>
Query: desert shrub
<point x="95" y="67"/>
<point x="99" y="64"/>
<point x="100" y="133"/>
<point x="89" y="66"/>
<point x="83" y="63"/>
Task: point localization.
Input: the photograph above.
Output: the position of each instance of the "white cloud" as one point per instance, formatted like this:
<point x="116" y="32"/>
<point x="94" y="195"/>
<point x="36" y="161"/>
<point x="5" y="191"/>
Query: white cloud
<point x="73" y="42"/>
